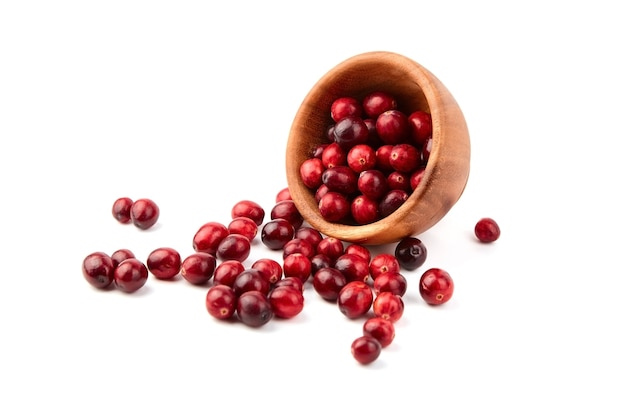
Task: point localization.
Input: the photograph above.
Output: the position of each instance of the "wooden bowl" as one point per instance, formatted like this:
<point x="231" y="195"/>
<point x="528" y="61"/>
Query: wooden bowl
<point x="414" y="87"/>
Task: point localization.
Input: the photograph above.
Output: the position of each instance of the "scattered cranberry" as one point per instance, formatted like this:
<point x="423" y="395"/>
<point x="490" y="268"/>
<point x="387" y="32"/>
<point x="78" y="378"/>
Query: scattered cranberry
<point x="121" y="209"/>
<point x="393" y="282"/>
<point x="98" y="269"/>
<point x="286" y="302"/>
<point x="121" y="255"/>
<point x="411" y="253"/>
<point x="221" y="302"/>
<point x="253" y="309"/>
<point x="359" y="250"/>
<point x="250" y="280"/>
<point x="309" y="234"/>
<point x="287" y="210"/>
<point x="380" y="329"/>
<point x="243" y="226"/>
<point x="327" y="282"/>
<point x="130" y="275"/>
<point x="198" y="268"/>
<point x="271" y="270"/>
<point x="331" y="247"/>
<point x="296" y="245"/>
<point x="297" y="265"/>
<point x="209" y="236"/>
<point x="383" y="262"/>
<point x="276" y="233"/>
<point x="319" y="261"/>
<point x="291" y="282"/>
<point x="355" y="299"/>
<point x="436" y="286"/>
<point x="248" y="208"/>
<point x="164" y="263"/>
<point x="226" y="272"/>
<point x="365" y="349"/>
<point x="487" y="230"/>
<point x="282" y="195"/>
<point x="388" y="306"/>
<point x="144" y="213"/>
<point x="353" y="267"/>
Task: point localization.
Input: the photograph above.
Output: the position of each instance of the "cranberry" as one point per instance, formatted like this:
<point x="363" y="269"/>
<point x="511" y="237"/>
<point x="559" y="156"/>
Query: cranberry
<point x="378" y="102"/>
<point x="209" y="236"/>
<point x="327" y="282"/>
<point x="164" y="263"/>
<point x="350" y="131"/>
<point x="397" y="180"/>
<point x="372" y="138"/>
<point x="130" y="275"/>
<point x="287" y="210"/>
<point x="341" y="179"/>
<point x="311" y="172"/>
<point x="271" y="270"/>
<point x="121" y="255"/>
<point x="355" y="299"/>
<point x="391" y="281"/>
<point x="382" y="157"/>
<point x="248" y="208"/>
<point x="411" y="253"/>
<point x="334" y="207"/>
<point x="420" y="126"/>
<point x="380" y="329"/>
<point x="286" y="302"/>
<point x="226" y="272"/>
<point x="251" y="280"/>
<point x="297" y="265"/>
<point x="359" y="250"/>
<point x="321" y="191"/>
<point x="317" y="151"/>
<point x="361" y="158"/>
<point x="253" y="309"/>
<point x="353" y="267"/>
<point x="392" y="127"/>
<point x="373" y="184"/>
<point x="345" y="106"/>
<point x="276" y="233"/>
<point x="121" y="209"/>
<point x="404" y="158"/>
<point x="487" y="230"/>
<point x="98" y="269"/>
<point x="243" y="226"/>
<point x="426" y="149"/>
<point x="234" y="247"/>
<point x="334" y="155"/>
<point x="282" y="195"/>
<point x="330" y="247"/>
<point x="364" y="210"/>
<point x="388" y="306"/>
<point x="291" y="282"/>
<point x="221" y="301"/>
<point x="365" y="349"/>
<point x="436" y="286"/>
<point x="309" y="234"/>
<point x="296" y="245"/>
<point x="198" y="268"/>
<point x="319" y="261"/>
<point x="144" y="213"/>
<point x="391" y="202"/>
<point x="383" y="262"/>
<point x="416" y="178"/>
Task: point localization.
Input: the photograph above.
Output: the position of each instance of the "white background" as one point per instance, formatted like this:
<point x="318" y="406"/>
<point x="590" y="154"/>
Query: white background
<point x="190" y="104"/>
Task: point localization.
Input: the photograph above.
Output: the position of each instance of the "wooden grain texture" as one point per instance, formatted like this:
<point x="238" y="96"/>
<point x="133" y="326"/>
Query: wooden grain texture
<point x="415" y="88"/>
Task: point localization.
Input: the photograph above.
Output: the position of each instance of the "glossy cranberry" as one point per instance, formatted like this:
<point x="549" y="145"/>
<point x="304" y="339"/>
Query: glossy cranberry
<point x="344" y="107"/>
<point x="121" y="209"/>
<point x="359" y="250"/>
<point x="311" y="172"/>
<point x="226" y="272"/>
<point x="208" y="237"/>
<point x="291" y="282"/>
<point x="392" y="127"/>
<point x="405" y="158"/>
<point x="297" y="265"/>
<point x="331" y="247"/>
<point x="420" y="126"/>
<point x="251" y="280"/>
<point x="296" y="245"/>
<point x="383" y="262"/>
<point x="378" y="102"/>
<point x="282" y="195"/>
<point x="373" y="184"/>
<point x="144" y="213"/>
<point x="253" y="309"/>
<point x="426" y="149"/>
<point x="334" y="155"/>
<point x="327" y="282"/>
<point x="309" y="234"/>
<point x="130" y="275"/>
<point x="271" y="270"/>
<point x="221" y="302"/>
<point x="373" y="139"/>
<point x="388" y="306"/>
<point x="276" y="233"/>
<point x="361" y="158"/>
<point x="234" y="247"/>
<point x="365" y="349"/>
<point x="321" y="191"/>
<point x="382" y="157"/>
<point x="287" y="210"/>
<point x="411" y="253"/>
<point x="248" y="208"/>
<point x="391" y="202"/>
<point x="416" y="178"/>
<point x="436" y="286"/>
<point x="286" y="302"/>
<point x="319" y="261"/>
<point x="487" y="230"/>
<point x="350" y="131"/>
<point x="391" y="281"/>
<point x="397" y="180"/>
<point x="353" y="267"/>
<point x="341" y="179"/>
<point x="380" y="329"/>
<point x="243" y="226"/>
<point x="198" y="268"/>
<point x="334" y="207"/>
<point x="98" y="269"/>
<point x="121" y="255"/>
<point x="164" y="263"/>
<point x="364" y="210"/>
<point x="317" y="150"/>
<point x="355" y="299"/>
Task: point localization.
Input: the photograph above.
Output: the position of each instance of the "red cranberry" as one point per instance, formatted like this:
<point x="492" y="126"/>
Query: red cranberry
<point x="248" y="208"/>
<point x="311" y="172"/>
<point x="234" y="247"/>
<point x="391" y="202"/>
<point x="416" y="178"/>
<point x="426" y="149"/>
<point x="380" y="329"/>
<point x="309" y="234"/>
<point x="388" y="306"/>
<point x="373" y="184"/>
<point x="353" y="267"/>
<point x="198" y="268"/>
<point x="383" y="262"/>
<point x="291" y="282"/>
<point x="364" y="210"/>
<point x="321" y="191"/>
<point x="436" y="286"/>
<point x="372" y="138"/>
<point x="365" y="349"/>
<point x="397" y="180"/>
<point x="98" y="269"/>
<point x="287" y="210"/>
<point x="209" y="236"/>
<point x="243" y="226"/>
<point x="334" y="155"/>
<point x="130" y="275"/>
<point x="297" y="265"/>
<point x="282" y="195"/>
<point x="350" y="131"/>
<point x="287" y="302"/>
<point x="420" y="126"/>
<point x="226" y="272"/>
<point x="251" y="280"/>
<point x="317" y="150"/>
<point x="144" y="213"/>
<point x="121" y="209"/>
<point x="121" y="255"/>
<point x="382" y="157"/>
<point x="334" y="207"/>
<point x="359" y="250"/>
<point x="327" y="282"/>
<point x="377" y="103"/>
<point x="344" y="107"/>
<point x="164" y="263"/>
<point x="391" y="281"/>
<point x="331" y="247"/>
<point x="253" y="309"/>
<point x="404" y="158"/>
<point x="411" y="253"/>
<point x="341" y="179"/>
<point x="271" y="270"/>
<point x="392" y="127"/>
<point x="361" y="158"/>
<point x="221" y="301"/>
<point x="355" y="299"/>
<point x="296" y="245"/>
<point x="319" y="261"/>
<point x="487" y="230"/>
<point x="276" y="233"/>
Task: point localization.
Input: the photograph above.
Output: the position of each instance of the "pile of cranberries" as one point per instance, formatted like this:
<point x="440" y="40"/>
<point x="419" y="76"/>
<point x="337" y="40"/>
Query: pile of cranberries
<point x="372" y="158"/>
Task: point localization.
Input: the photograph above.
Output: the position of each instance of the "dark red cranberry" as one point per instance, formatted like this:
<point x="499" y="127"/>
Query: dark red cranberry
<point x="287" y="210"/>
<point x="372" y="139"/>
<point x="311" y="172"/>
<point x="208" y="237"/>
<point x="319" y="261"/>
<point x="276" y="233"/>
<point x="350" y="131"/>
<point x="382" y="158"/>
<point x="364" y="210"/>
<point x="487" y="230"/>
<point x="144" y="213"/>
<point x="373" y="184"/>
<point x="221" y="302"/>
<point x="282" y="195"/>
<point x="353" y="267"/>
<point x="226" y="272"/>
<point x="411" y="253"/>
<point x="388" y="306"/>
<point x="130" y="275"/>
<point x="416" y="178"/>
<point x="317" y="150"/>
<point x="365" y="349"/>
<point x="121" y="255"/>
<point x="243" y="226"/>
<point x="164" y="263"/>
<point x="233" y="247"/>
<point x="420" y="126"/>
<point x="392" y="127"/>
<point x="405" y="158"/>
<point x="98" y="269"/>
<point x="296" y="245"/>
<point x="309" y="234"/>
<point x="380" y="329"/>
<point x="334" y="155"/>
<point x="426" y="150"/>
<point x="121" y="209"/>
<point x="397" y="180"/>
<point x="361" y="158"/>
<point x="253" y="309"/>
<point x="198" y="268"/>
<point x="383" y="262"/>
<point x="248" y="208"/>
<point x="355" y="299"/>
<point x="297" y="265"/>
<point x="251" y="280"/>
<point x="334" y="207"/>
<point x="321" y="191"/>
<point x="327" y="282"/>
<point x="436" y="286"/>
<point x="378" y="102"/>
<point x="287" y="302"/>
<point x="331" y="247"/>
<point x="391" y="281"/>
<point x="391" y="202"/>
<point x="341" y="179"/>
<point x="271" y="270"/>
<point x="291" y="282"/>
<point x="344" y="107"/>
<point x="359" y="250"/>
